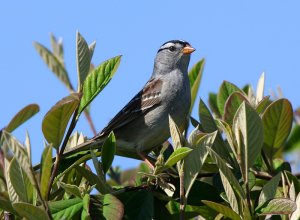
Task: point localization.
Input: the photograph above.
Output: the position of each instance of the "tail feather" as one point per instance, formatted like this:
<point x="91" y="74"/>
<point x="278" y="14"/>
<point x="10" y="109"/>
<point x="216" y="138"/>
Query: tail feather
<point x="86" y="146"/>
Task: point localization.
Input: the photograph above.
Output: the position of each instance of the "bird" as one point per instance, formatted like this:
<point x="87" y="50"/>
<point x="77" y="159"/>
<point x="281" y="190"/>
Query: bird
<point x="143" y="124"/>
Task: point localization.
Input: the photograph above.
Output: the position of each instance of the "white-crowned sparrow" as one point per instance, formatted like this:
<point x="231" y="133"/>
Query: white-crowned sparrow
<point x="143" y="123"/>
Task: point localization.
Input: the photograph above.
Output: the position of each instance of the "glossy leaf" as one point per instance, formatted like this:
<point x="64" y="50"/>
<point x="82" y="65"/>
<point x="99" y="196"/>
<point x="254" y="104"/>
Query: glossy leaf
<point x="12" y="194"/>
<point x="18" y="150"/>
<point x="83" y="58"/>
<point x="248" y="130"/>
<point x="108" y="152"/>
<point x="6" y="204"/>
<point x="229" y="193"/>
<point x="293" y="141"/>
<point x="142" y="208"/>
<point x="227" y="173"/>
<point x="57" y="118"/>
<point x="224" y="210"/>
<point x="232" y="104"/>
<point x="195" y="75"/>
<point x="46" y="170"/>
<point x="175" y="134"/>
<point x="54" y="64"/>
<point x="22" y="116"/>
<point x="92" y="48"/>
<point x="57" y="47"/>
<point x="30" y="211"/>
<point x="263" y="104"/>
<point x="209" y="125"/>
<point x="213" y="105"/>
<point x="194" y="161"/>
<point x="97" y="80"/>
<point x="268" y="191"/>
<point x="105" y="188"/>
<point x="225" y="91"/>
<point x="85" y="214"/>
<point x="279" y="206"/>
<point x="106" y="207"/>
<point x="177" y="155"/>
<point x="277" y="123"/>
<point x="90" y="177"/>
<point x="71" y="189"/>
<point x="65" y="209"/>
<point x="17" y="180"/>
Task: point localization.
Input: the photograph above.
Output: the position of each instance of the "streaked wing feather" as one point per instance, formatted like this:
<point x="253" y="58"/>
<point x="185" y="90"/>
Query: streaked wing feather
<point x="139" y="105"/>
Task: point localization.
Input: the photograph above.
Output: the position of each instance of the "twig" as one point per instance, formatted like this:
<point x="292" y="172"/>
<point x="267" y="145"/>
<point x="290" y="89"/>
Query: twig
<point x="61" y="151"/>
<point x="181" y="192"/>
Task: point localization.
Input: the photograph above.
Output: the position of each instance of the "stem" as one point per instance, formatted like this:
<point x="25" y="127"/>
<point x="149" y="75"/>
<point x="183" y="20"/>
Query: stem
<point x="61" y="151"/>
<point x="248" y="197"/>
<point x="90" y="122"/>
<point x="267" y="162"/>
<point x="181" y="192"/>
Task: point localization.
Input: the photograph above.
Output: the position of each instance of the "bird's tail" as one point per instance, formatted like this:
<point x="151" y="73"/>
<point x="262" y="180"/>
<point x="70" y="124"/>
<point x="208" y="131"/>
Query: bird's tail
<point x="86" y="146"/>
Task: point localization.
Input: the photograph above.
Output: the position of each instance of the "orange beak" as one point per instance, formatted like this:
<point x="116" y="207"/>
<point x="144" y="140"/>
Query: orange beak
<point x="188" y="49"/>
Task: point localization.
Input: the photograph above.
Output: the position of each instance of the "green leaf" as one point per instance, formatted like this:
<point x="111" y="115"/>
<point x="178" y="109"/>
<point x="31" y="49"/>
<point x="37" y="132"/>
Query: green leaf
<point x="71" y="189"/>
<point x="57" y="47"/>
<point x="85" y="214"/>
<point x="97" y="80"/>
<point x="225" y="91"/>
<point x="105" y="188"/>
<point x="92" y="48"/>
<point x="224" y="210"/>
<point x="54" y="64"/>
<point x="18" y="150"/>
<point x="229" y="193"/>
<point x="231" y="106"/>
<point x="12" y="194"/>
<point x="263" y="104"/>
<point x="29" y="211"/>
<point x="138" y="205"/>
<point x="22" y="116"/>
<point x="57" y="118"/>
<point x="6" y="204"/>
<point x="46" y="170"/>
<point x="212" y="102"/>
<point x="175" y="134"/>
<point x="108" y="152"/>
<point x="178" y="155"/>
<point x="293" y="141"/>
<point x="83" y="58"/>
<point x="18" y="181"/>
<point x="65" y="209"/>
<point x="195" y="136"/>
<point x="227" y="172"/>
<point x="277" y="207"/>
<point x="106" y="207"/>
<point x="195" y="75"/>
<point x="277" y="123"/>
<point x="194" y="161"/>
<point x="209" y="126"/>
<point x="268" y="191"/>
<point x="90" y="177"/>
<point x="248" y="130"/>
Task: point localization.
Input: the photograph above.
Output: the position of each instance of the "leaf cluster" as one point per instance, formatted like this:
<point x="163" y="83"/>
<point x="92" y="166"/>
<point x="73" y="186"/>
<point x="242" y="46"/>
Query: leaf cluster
<point x="230" y="166"/>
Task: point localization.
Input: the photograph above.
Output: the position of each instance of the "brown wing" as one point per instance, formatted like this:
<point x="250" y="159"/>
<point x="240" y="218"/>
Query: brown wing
<point x="146" y="99"/>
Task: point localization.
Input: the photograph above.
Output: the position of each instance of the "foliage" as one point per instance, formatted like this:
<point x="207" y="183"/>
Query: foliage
<point x="230" y="166"/>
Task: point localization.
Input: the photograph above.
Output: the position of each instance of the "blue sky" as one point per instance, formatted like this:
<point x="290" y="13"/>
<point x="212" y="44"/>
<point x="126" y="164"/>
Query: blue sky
<point x="239" y="40"/>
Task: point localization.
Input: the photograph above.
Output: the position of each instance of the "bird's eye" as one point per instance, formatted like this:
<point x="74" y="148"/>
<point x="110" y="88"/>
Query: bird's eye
<point x="172" y="48"/>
